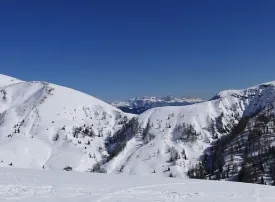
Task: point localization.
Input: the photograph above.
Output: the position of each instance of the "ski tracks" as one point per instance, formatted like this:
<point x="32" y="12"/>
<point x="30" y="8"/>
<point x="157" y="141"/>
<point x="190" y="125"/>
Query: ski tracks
<point x="144" y="191"/>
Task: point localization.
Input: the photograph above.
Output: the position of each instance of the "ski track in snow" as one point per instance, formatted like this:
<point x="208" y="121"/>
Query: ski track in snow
<point x="139" y="191"/>
<point x="25" y="185"/>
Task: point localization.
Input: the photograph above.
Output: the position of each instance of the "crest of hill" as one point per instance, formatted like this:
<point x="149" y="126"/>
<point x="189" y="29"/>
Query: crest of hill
<point x="7" y="80"/>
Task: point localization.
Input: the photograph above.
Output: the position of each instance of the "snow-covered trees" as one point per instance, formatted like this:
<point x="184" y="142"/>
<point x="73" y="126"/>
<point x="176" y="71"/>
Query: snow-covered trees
<point x="246" y="154"/>
<point x="83" y="130"/>
<point x="4" y="95"/>
<point x="97" y="168"/>
<point x="116" y="143"/>
<point x="55" y="137"/>
<point x="197" y="172"/>
<point x="174" y="156"/>
<point x="146" y="135"/>
<point x="68" y="168"/>
<point x="185" y="132"/>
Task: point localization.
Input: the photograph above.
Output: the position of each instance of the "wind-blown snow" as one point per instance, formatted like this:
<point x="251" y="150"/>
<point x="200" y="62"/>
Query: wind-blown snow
<point x="37" y="186"/>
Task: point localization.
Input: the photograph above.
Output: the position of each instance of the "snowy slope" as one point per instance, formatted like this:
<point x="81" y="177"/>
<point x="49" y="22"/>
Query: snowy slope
<point x="210" y="119"/>
<point x="37" y="186"/>
<point x="37" y="122"/>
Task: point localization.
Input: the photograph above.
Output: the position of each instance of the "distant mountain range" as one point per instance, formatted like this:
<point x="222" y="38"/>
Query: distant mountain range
<point x="139" y="105"/>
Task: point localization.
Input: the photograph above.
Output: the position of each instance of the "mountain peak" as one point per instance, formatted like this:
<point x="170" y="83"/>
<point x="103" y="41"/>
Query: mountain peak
<point x="244" y="92"/>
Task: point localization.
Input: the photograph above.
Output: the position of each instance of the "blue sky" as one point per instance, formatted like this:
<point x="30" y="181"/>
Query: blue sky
<point x="119" y="49"/>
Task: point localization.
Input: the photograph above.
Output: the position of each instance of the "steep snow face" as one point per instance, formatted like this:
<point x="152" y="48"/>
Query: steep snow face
<point x="140" y="104"/>
<point x="170" y="153"/>
<point x="47" y="126"/>
<point x="26" y="185"/>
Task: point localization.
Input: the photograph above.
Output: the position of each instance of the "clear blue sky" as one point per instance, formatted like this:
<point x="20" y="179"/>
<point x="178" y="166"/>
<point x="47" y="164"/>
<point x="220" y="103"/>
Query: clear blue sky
<point x="115" y="49"/>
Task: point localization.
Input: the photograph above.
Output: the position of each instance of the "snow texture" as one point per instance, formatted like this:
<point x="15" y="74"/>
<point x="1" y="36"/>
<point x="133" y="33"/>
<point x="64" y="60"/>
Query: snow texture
<point x="28" y="185"/>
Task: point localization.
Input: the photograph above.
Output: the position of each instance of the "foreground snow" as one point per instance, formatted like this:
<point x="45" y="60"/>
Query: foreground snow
<point x="33" y="185"/>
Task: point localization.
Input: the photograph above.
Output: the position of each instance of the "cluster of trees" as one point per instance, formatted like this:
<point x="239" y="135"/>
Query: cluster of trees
<point x="185" y="132"/>
<point x="4" y="94"/>
<point x="174" y="156"/>
<point x="97" y="168"/>
<point x="258" y="168"/>
<point x="55" y="137"/>
<point x="217" y="126"/>
<point x="116" y="143"/>
<point x="67" y="168"/>
<point x="259" y="154"/>
<point x="197" y="172"/>
<point x="220" y="125"/>
<point x="213" y="162"/>
<point x="146" y="135"/>
<point x="251" y="141"/>
<point x="84" y="131"/>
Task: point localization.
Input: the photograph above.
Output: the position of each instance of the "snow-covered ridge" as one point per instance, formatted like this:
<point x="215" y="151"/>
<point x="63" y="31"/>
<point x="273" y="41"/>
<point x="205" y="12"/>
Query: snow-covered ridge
<point x="245" y="92"/>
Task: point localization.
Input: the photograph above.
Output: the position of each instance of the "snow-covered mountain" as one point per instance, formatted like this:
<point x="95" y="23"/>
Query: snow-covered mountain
<point x="43" y="125"/>
<point x="46" y="126"/>
<point x="139" y="105"/>
<point x="180" y="136"/>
